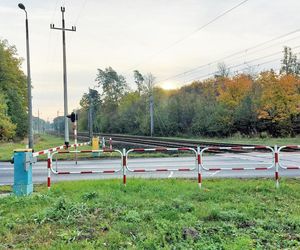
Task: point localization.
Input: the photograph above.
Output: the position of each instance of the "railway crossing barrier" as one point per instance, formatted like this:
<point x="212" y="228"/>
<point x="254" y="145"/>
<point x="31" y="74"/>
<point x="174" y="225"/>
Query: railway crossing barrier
<point x="280" y="151"/>
<point x="25" y="158"/>
<point x="274" y="155"/>
<point x="107" y="171"/>
<point x="163" y="149"/>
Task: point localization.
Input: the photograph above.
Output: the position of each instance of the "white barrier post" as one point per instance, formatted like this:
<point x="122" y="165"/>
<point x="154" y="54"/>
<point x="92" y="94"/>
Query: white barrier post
<point x="276" y="161"/>
<point x="199" y="161"/>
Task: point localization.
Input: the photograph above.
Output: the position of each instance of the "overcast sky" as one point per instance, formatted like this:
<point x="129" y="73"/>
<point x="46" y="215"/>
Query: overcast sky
<point x="143" y="35"/>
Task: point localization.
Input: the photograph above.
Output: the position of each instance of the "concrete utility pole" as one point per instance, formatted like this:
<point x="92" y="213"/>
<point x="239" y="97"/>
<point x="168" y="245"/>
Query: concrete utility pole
<point x="30" y="123"/>
<point x="63" y="29"/>
<point x="151" y="116"/>
<point x="90" y="115"/>
<point x="38" y="121"/>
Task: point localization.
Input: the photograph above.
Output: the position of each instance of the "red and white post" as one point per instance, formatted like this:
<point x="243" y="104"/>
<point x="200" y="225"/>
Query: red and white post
<point x="124" y="163"/>
<point x="49" y="162"/>
<point x="199" y="162"/>
<point x="276" y="162"/>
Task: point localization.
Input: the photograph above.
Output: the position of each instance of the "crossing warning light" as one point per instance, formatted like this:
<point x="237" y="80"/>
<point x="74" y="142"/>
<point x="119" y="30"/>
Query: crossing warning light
<point x="73" y="117"/>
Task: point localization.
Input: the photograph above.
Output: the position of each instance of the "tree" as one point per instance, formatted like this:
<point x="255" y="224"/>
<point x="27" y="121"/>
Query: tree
<point x="112" y="85"/>
<point x="7" y="128"/>
<point x="289" y="63"/>
<point x="223" y="71"/>
<point x="149" y="83"/>
<point x="13" y="85"/>
<point x="139" y="80"/>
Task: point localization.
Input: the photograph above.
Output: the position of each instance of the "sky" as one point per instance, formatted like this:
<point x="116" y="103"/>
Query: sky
<point x="157" y="36"/>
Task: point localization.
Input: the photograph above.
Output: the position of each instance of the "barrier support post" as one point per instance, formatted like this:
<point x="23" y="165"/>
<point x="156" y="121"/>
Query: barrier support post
<point x="124" y="163"/>
<point x="276" y="162"/>
<point x="49" y="162"/>
<point x="199" y="162"/>
<point x="23" y="160"/>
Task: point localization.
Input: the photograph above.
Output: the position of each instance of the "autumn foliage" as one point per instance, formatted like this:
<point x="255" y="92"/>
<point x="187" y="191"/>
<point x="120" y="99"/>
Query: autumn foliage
<point x="267" y="103"/>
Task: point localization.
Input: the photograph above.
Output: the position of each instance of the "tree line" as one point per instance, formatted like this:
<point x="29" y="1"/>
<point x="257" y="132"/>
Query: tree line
<point x="13" y="97"/>
<point x="266" y="103"/>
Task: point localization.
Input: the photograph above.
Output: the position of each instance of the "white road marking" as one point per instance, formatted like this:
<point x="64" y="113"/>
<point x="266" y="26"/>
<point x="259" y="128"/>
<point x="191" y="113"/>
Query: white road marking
<point x="215" y="173"/>
<point x="171" y="174"/>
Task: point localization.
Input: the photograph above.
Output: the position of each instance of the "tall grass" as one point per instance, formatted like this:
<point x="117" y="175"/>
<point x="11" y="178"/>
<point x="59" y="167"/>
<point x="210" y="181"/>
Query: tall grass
<point x="154" y="214"/>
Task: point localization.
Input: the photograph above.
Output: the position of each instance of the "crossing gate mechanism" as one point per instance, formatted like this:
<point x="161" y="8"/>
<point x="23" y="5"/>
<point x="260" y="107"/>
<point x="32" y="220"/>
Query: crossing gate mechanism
<point x="163" y="149"/>
<point x="106" y="171"/>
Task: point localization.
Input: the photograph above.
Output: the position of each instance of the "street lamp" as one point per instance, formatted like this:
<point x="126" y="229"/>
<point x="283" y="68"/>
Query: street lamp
<point x="30" y="133"/>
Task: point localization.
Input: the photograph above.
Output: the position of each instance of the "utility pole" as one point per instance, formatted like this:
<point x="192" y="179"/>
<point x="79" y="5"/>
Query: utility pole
<point x="63" y="29"/>
<point x="90" y="115"/>
<point x="30" y="120"/>
<point x="38" y="121"/>
<point x="151" y="115"/>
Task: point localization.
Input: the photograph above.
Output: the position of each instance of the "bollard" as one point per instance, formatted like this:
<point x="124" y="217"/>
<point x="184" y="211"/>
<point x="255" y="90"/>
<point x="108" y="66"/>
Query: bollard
<point x="23" y="161"/>
<point x="95" y="146"/>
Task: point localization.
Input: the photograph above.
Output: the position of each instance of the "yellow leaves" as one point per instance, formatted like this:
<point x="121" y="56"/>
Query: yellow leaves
<point x="279" y="97"/>
<point x="233" y="91"/>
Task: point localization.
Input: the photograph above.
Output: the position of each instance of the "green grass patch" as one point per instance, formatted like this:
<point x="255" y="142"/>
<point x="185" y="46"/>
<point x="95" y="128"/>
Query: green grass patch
<point x="269" y="141"/>
<point x="154" y="214"/>
<point x="41" y="142"/>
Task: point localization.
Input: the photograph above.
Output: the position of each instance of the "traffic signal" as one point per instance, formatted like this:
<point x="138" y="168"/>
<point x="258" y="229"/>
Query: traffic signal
<point x="73" y="117"/>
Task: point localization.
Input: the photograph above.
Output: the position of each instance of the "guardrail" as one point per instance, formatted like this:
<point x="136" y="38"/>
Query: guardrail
<point x="199" y="165"/>
<point x="50" y="160"/>
<point x="288" y="147"/>
<point x="253" y="148"/>
<point x="162" y="149"/>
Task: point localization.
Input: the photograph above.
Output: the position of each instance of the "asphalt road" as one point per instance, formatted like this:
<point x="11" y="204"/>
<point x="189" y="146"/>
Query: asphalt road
<point x="226" y="160"/>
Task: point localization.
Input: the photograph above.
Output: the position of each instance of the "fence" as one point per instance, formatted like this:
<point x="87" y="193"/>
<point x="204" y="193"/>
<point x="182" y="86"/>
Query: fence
<point x="50" y="167"/>
<point x="143" y="170"/>
<point x="251" y="148"/>
<point x="199" y="156"/>
<point x="296" y="147"/>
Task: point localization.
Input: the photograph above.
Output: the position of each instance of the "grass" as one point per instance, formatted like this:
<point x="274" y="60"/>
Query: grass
<point x="48" y="141"/>
<point x="154" y="214"/>
<point x="40" y="142"/>
<point x="269" y="141"/>
<point x="44" y="141"/>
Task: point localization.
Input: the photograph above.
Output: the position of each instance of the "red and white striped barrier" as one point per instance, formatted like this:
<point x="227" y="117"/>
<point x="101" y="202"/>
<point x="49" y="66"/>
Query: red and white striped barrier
<point x="50" y="150"/>
<point x="236" y="148"/>
<point x="297" y="147"/>
<point x="144" y="170"/>
<point x="106" y="171"/>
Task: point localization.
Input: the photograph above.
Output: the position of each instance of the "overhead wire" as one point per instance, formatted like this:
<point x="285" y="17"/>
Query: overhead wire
<point x="191" y="33"/>
<point x="240" y="64"/>
<point x="229" y="56"/>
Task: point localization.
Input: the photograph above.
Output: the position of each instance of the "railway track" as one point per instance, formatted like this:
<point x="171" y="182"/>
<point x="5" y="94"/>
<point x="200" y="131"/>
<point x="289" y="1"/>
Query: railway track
<point x="146" y="141"/>
<point x="163" y="142"/>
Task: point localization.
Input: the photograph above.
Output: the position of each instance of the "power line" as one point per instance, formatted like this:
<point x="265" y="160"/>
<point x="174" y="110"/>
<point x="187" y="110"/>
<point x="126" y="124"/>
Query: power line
<point x="192" y="33"/>
<point x="238" y="65"/>
<point x="229" y="56"/>
<point x="80" y="12"/>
